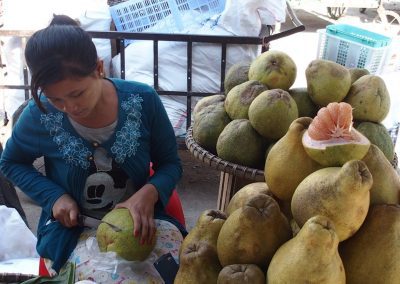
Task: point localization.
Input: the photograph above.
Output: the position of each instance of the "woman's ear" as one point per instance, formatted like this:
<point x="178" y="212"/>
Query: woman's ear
<point x="100" y="68"/>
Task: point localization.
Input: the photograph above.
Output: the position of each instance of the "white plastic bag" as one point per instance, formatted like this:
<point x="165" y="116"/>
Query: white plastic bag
<point x="16" y="240"/>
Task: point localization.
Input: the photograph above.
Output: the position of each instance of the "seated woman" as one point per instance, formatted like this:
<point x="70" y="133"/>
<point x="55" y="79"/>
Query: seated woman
<point x="97" y="136"/>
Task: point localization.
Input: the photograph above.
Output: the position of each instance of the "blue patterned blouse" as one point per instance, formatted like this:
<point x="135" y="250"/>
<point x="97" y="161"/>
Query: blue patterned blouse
<point x="143" y="134"/>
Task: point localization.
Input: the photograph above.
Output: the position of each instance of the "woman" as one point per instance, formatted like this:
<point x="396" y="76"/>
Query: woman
<point x="98" y="137"/>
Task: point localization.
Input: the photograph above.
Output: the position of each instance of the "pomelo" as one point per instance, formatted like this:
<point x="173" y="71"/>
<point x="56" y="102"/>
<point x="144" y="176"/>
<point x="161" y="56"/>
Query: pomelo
<point x="370" y="99"/>
<point x="327" y="81"/>
<point x="275" y="69"/>
<point x="208" y="125"/>
<point x="123" y="243"/>
<point x="272" y="112"/>
<point x="305" y="105"/>
<point x="239" y="143"/>
<point x="378" y="134"/>
<point x="240" y="97"/>
<point x="237" y="74"/>
<point x="331" y="140"/>
<point x="206" y="101"/>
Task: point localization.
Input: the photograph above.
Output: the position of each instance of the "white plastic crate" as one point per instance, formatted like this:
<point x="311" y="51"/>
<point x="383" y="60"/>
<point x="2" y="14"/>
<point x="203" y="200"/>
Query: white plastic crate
<point x="350" y="53"/>
<point x="140" y="15"/>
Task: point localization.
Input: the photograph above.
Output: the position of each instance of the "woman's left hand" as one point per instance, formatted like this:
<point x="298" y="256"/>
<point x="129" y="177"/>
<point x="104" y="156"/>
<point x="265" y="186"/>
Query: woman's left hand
<point x="141" y="207"/>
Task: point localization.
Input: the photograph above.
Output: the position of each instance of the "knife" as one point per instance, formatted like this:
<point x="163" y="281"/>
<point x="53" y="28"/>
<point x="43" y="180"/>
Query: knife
<point x="93" y="223"/>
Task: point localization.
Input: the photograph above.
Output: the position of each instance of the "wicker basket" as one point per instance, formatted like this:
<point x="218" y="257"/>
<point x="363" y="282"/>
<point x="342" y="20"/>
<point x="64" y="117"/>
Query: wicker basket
<point x="228" y="167"/>
<point x="219" y="164"/>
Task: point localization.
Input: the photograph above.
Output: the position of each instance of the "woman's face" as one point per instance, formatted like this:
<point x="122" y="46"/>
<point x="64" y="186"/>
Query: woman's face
<point x="76" y="96"/>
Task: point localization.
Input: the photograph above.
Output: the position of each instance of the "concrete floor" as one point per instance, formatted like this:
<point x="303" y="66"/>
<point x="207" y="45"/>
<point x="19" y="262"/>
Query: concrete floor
<point x="198" y="188"/>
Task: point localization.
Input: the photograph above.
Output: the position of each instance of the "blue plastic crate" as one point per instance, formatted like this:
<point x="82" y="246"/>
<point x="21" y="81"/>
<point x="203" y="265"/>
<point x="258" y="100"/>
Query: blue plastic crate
<point x="140" y="15"/>
<point x="358" y="35"/>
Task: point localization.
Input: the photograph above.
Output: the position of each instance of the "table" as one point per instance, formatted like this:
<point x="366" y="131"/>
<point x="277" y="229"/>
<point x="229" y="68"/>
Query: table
<point x="232" y="177"/>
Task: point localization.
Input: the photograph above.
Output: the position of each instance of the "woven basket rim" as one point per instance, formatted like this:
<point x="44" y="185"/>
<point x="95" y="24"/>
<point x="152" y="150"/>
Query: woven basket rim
<point x="228" y="167"/>
<point x="220" y="164"/>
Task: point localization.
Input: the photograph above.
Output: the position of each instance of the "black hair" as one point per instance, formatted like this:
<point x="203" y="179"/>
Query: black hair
<point x="60" y="51"/>
<point x="63" y="20"/>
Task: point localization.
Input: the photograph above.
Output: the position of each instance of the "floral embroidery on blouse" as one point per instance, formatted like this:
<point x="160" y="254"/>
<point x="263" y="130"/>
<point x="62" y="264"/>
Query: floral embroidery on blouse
<point x="126" y="141"/>
<point x="72" y="148"/>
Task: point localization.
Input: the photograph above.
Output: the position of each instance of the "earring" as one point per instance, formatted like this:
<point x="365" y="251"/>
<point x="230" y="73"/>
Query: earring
<point x="101" y="74"/>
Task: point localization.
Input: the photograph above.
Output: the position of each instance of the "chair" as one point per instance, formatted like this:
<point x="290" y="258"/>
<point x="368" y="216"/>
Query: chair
<point x="174" y="206"/>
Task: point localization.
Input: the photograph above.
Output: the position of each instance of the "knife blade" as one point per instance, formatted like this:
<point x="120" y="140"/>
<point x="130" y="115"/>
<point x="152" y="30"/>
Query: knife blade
<point x="87" y="221"/>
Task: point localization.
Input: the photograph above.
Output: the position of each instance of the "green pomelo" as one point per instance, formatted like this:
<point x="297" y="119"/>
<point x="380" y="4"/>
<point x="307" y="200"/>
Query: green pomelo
<point x="305" y="105"/>
<point x="272" y="112"/>
<point x="369" y="98"/>
<point x="327" y="81"/>
<point x="275" y="69"/>
<point x="336" y="152"/>
<point x="239" y="143"/>
<point x="378" y="135"/>
<point x="240" y="97"/>
<point x="206" y="101"/>
<point x="237" y="74"/>
<point x="123" y="243"/>
<point x="208" y="125"/>
<point x="357" y="73"/>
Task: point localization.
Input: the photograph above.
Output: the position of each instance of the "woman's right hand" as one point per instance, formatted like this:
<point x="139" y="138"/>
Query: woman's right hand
<point x="65" y="210"/>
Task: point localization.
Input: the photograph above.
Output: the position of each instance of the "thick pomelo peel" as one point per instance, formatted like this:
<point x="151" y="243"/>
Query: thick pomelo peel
<point x="331" y="140"/>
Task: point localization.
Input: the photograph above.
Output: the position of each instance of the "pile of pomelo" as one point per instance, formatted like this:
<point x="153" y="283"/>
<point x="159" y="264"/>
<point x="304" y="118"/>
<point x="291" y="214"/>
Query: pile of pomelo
<point x="259" y="105"/>
<point x="328" y="211"/>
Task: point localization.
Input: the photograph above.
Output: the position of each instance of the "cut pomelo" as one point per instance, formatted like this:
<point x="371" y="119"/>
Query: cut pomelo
<point x="331" y="139"/>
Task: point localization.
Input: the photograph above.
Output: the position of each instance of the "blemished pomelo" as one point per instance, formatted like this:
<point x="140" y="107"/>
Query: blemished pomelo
<point x="239" y="143"/>
<point x="327" y="81"/>
<point x="123" y="243"/>
<point x="272" y="112"/>
<point x="240" y="97"/>
<point x="331" y="140"/>
<point x="236" y="74"/>
<point x="208" y="125"/>
<point x="206" y="101"/>
<point x="370" y="99"/>
<point x="275" y="69"/>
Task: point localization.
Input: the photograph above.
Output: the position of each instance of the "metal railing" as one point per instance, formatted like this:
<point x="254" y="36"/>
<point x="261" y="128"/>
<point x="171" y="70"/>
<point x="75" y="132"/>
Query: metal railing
<point x="120" y="37"/>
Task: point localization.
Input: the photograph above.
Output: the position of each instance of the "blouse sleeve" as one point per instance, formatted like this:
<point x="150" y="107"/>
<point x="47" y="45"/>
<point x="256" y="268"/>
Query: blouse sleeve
<point x="16" y="162"/>
<point x="164" y="152"/>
